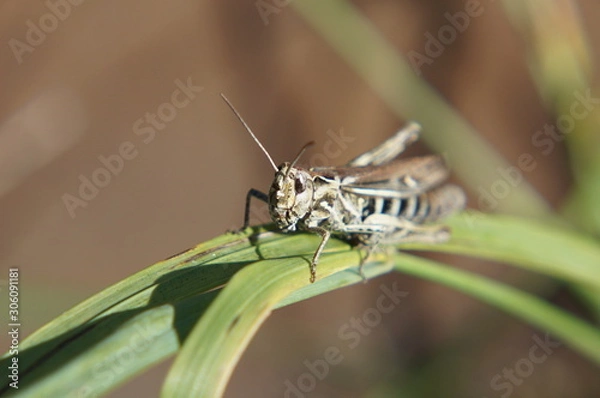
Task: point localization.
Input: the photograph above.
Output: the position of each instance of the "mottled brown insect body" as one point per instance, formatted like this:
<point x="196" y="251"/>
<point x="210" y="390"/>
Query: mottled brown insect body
<point x="374" y="199"/>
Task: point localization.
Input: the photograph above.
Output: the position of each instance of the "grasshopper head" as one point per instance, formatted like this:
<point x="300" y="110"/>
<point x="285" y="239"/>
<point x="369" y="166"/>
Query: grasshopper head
<point x="290" y="196"/>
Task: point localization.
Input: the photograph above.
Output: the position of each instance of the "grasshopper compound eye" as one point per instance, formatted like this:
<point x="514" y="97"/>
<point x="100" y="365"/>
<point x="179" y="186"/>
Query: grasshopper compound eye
<point x="300" y="184"/>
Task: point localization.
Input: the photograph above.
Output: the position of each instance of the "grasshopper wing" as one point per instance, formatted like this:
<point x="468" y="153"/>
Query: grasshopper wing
<point x="399" y="178"/>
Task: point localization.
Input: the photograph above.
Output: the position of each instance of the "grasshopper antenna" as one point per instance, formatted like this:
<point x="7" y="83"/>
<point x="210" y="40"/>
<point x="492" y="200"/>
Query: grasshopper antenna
<point x="289" y="169"/>
<point x="311" y="143"/>
<point x="237" y="114"/>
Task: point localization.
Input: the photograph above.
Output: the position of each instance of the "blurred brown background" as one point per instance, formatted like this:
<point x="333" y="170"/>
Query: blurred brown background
<point x="79" y="92"/>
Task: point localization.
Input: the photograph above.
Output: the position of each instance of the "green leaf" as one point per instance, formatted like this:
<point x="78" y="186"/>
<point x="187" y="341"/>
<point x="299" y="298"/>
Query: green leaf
<point x="179" y="300"/>
<point x="208" y="358"/>
<point x="142" y="320"/>
<point x="214" y="347"/>
<point x="579" y="335"/>
<point x="548" y="249"/>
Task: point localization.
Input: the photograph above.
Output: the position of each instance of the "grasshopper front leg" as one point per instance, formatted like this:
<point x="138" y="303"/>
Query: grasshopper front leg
<point x="325" y="234"/>
<point x="252" y="193"/>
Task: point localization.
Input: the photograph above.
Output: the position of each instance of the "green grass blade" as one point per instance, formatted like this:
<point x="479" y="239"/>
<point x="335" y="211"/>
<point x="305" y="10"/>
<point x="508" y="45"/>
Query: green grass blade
<point x="535" y="246"/>
<point x="75" y="353"/>
<point x="172" y="295"/>
<point x="210" y="354"/>
<point x="579" y="335"/>
<point x="214" y="347"/>
<point x="560" y="62"/>
<point x="148" y="278"/>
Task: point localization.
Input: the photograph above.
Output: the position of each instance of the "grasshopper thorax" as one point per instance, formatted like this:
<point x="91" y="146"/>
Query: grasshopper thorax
<point x="290" y="196"/>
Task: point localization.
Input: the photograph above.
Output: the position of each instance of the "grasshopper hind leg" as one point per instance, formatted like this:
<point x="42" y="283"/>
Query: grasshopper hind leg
<point x="369" y="249"/>
<point x="389" y="149"/>
<point x="367" y="243"/>
<point x="392" y="231"/>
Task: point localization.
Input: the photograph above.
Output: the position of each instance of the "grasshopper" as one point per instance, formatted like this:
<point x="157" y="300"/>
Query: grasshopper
<point x="374" y="199"/>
